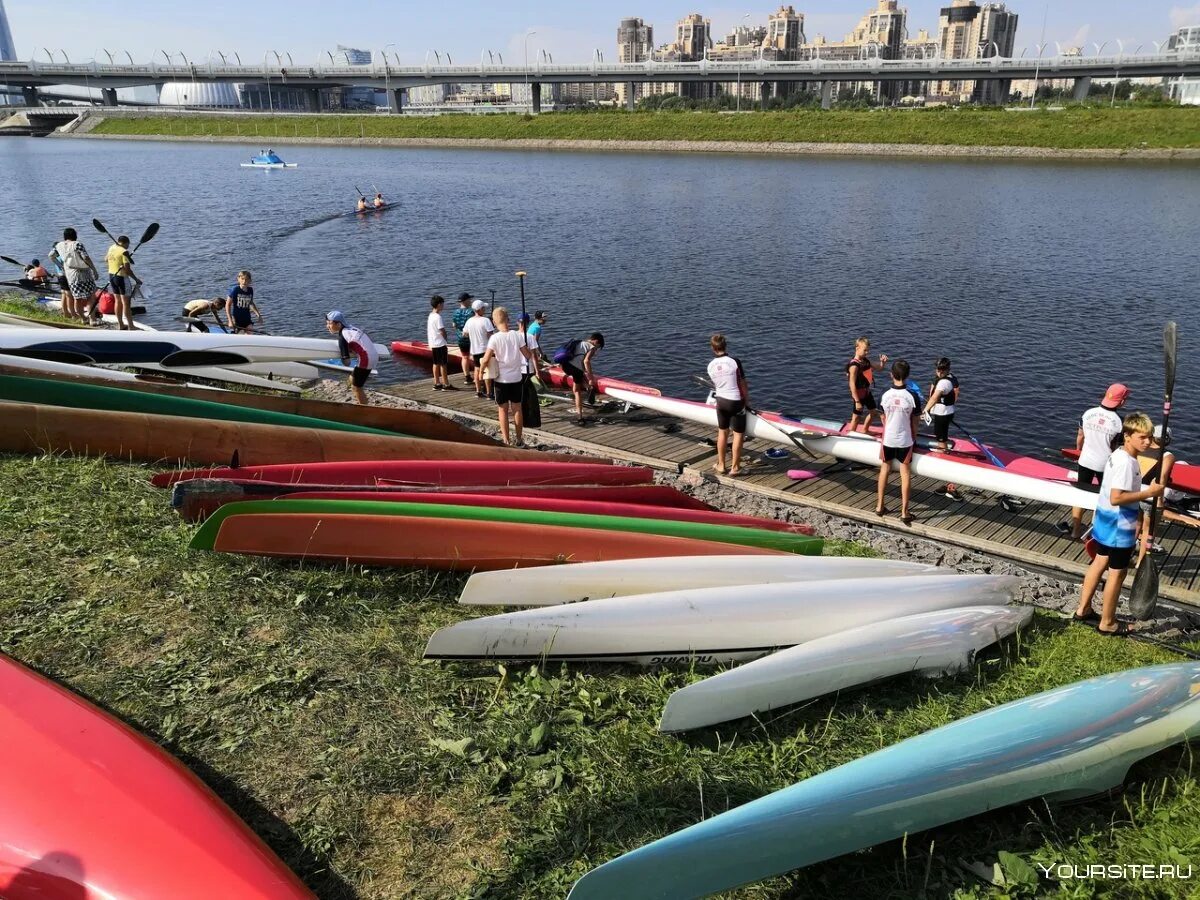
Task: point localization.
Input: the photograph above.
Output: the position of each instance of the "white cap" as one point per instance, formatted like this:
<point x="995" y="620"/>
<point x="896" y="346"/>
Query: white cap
<point x="477" y="305"/>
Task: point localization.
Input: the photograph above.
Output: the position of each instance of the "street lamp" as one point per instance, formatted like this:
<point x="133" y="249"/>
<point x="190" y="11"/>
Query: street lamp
<point x="270" y="102"/>
<point x="1041" y="46"/>
<point x="387" y="85"/>
<point x="528" y="90"/>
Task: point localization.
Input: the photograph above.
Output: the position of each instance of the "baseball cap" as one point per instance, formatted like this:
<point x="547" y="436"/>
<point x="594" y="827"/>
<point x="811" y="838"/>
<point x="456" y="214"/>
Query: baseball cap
<point x="465" y="296"/>
<point x="540" y="314"/>
<point x="477" y="305"/>
<point x="524" y="317"/>
<point x="1116" y="394"/>
<point x="336" y="315"/>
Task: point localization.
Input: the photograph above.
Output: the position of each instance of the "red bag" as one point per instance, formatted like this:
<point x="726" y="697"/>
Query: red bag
<point x="108" y="303"/>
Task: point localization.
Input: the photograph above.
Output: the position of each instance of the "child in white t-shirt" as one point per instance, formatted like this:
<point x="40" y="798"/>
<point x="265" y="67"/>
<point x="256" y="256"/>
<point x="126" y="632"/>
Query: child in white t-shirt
<point x="899" y="408"/>
<point x="435" y="335"/>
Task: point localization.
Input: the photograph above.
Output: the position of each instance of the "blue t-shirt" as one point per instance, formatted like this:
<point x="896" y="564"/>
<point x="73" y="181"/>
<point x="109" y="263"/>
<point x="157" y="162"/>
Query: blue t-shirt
<point x="1116" y="526"/>
<point x="242" y="299"/>
<point x="535" y="331"/>
<point x="462" y="315"/>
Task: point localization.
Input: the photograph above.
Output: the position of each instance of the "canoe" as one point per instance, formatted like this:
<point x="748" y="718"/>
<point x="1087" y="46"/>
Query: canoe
<point x="36" y="428"/>
<point x="708" y="626"/>
<point x="520" y="468"/>
<point x="413" y="422"/>
<point x="564" y="505"/>
<point x="958" y="468"/>
<point x="442" y="543"/>
<point x="92" y="809"/>
<point x="196" y="499"/>
<point x="727" y="534"/>
<point x="589" y="581"/>
<point x="419" y="350"/>
<point x="57" y="392"/>
<point x="932" y="644"/>
<point x="1184" y="476"/>
<point x="1064" y="744"/>
<point x="215" y="373"/>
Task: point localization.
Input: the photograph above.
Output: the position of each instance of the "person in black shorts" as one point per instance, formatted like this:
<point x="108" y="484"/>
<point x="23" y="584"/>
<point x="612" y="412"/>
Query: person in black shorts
<point x="733" y="397"/>
<point x="579" y="368"/>
<point x="860" y="371"/>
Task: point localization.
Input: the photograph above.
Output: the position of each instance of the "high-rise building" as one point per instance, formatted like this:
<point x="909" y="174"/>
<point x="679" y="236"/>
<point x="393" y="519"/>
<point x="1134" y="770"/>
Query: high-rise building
<point x="1185" y="90"/>
<point x="357" y="96"/>
<point x="785" y="32"/>
<point x="635" y="40"/>
<point x="7" y="50"/>
<point x="692" y="36"/>
<point x="881" y="32"/>
<point x="967" y="30"/>
<point x="352" y="56"/>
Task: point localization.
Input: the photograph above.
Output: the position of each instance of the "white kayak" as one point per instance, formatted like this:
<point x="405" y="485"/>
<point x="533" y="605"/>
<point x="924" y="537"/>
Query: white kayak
<point x="217" y="373"/>
<point x="864" y="449"/>
<point x="932" y="644"/>
<point x="50" y="367"/>
<point x="553" y="585"/>
<point x="709" y="626"/>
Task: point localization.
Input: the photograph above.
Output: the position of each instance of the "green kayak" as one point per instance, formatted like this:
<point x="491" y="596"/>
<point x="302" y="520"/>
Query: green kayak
<point x="729" y="534"/>
<point x="57" y="392"/>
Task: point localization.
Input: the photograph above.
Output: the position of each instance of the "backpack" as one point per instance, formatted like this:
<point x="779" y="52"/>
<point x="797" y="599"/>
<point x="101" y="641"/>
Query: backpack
<point x="74" y="259"/>
<point x="566" y="352"/>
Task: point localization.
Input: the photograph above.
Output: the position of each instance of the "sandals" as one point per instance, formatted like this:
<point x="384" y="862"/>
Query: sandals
<point x="1122" y="630"/>
<point x="882" y="511"/>
<point x="1091" y="618"/>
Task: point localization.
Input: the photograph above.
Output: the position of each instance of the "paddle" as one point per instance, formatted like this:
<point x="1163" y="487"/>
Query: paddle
<point x="9" y="259"/>
<point x="147" y="235"/>
<point x="1143" y="596"/>
<point x="992" y="458"/>
<point x="531" y="408"/>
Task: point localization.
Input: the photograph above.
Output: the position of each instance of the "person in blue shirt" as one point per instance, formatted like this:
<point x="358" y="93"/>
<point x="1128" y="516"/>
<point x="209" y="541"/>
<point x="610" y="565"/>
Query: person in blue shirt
<point x="240" y="310"/>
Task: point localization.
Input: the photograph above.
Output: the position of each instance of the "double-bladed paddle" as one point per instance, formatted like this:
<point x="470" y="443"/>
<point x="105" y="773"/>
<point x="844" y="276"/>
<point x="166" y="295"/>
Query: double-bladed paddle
<point x="1143" y="596"/>
<point x="9" y="259"/>
<point x="147" y="235"/>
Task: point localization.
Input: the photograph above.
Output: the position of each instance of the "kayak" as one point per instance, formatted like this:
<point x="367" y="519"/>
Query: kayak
<point x="435" y="471"/>
<point x="1063" y="744"/>
<point x="27" y="366"/>
<point x="216" y="373"/>
<point x="932" y="644"/>
<point x="563" y="505"/>
<point x="589" y="581"/>
<point x="372" y="209"/>
<point x="196" y="499"/>
<point x="558" y="378"/>
<point x="709" y="626"/>
<point x="959" y="468"/>
<point x="727" y="534"/>
<point x="57" y="392"/>
<point x="1184" y="476"/>
<point x="442" y="543"/>
<point x="93" y="809"/>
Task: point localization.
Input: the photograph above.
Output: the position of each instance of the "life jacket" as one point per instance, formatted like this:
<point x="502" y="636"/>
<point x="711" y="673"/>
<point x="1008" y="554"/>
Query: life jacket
<point x="947" y="399"/>
<point x="865" y="377"/>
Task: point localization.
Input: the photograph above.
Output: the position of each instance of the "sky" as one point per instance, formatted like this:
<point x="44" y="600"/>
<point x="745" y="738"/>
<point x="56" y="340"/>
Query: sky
<point x="569" y="32"/>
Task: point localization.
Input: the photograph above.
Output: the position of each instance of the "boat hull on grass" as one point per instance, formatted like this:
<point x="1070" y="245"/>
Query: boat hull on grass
<point x="92" y="809"/>
<point x="42" y="368"/>
<point x="591" y="581"/>
<point x="727" y="534"/>
<point x="1063" y="744"/>
<point x="932" y="644"/>
<point x="709" y="626"/>
<point x="439" y="543"/>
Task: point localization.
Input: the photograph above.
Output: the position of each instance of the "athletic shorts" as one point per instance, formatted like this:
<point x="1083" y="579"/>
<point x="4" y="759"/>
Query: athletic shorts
<point x="117" y="283"/>
<point x="508" y="392"/>
<point x="868" y="403"/>
<point x="63" y="285"/>
<point x="441" y="356"/>
<point x="941" y="427"/>
<point x="1118" y="557"/>
<point x="464" y="346"/>
<point x="359" y="376"/>
<point x="477" y="357"/>
<point x="896" y="454"/>
<point x="1088" y="479"/>
<point x="578" y="378"/>
<point x="731" y="413"/>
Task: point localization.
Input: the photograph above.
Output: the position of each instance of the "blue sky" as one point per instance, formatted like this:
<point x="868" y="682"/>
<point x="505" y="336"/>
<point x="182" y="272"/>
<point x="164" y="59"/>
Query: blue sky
<point x="569" y="31"/>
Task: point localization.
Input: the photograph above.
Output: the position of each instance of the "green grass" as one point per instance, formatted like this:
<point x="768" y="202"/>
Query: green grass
<point x="299" y="694"/>
<point x="17" y="305"/>
<point x="1075" y="127"/>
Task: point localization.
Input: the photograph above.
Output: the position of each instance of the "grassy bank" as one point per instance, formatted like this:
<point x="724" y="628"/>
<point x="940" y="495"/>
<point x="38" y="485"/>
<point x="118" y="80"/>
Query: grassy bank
<point x="18" y="305"/>
<point x="298" y="693"/>
<point x="1071" y="128"/>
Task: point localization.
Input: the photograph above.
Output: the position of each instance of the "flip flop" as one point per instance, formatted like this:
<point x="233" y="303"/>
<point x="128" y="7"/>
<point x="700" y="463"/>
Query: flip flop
<point x="1092" y="619"/>
<point x="1122" y="630"/>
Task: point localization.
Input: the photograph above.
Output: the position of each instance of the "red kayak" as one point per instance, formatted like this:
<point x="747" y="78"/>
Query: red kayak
<point x="410" y="471"/>
<point x="419" y="350"/>
<point x="1184" y="477"/>
<point x="592" y="507"/>
<point x="92" y="810"/>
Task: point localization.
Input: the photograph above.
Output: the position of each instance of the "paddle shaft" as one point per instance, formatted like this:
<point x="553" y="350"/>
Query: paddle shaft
<point x="1169" y="353"/>
<point x="992" y="458"/>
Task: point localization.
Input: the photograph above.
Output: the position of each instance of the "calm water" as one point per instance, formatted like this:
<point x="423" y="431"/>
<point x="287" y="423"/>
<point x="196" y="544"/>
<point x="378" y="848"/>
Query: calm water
<point x="1043" y="281"/>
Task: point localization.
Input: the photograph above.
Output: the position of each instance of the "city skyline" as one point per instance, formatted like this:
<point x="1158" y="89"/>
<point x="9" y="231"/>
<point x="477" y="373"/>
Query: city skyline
<point x="568" y="34"/>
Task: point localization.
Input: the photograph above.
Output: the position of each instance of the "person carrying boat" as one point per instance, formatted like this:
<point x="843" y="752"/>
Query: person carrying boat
<point x="78" y="281"/>
<point x="194" y="309"/>
<point x="575" y="357"/>
<point x="899" y="407"/>
<point x="860" y="373"/>
<point x="240" y="309"/>
<point x="478" y="330"/>
<point x="380" y="203"/>
<point x="508" y="349"/>
<point x="733" y="398"/>
<point x="1115" y="524"/>
<point x="354" y="344"/>
<point x="1099" y="429"/>
<point x="462" y="315"/>
<point x="435" y="333"/>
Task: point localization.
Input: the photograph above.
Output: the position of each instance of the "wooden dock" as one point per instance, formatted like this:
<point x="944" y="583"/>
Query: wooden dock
<point x="978" y="522"/>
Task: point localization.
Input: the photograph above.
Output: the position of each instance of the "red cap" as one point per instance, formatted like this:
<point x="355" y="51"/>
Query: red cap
<point x="1116" y="395"/>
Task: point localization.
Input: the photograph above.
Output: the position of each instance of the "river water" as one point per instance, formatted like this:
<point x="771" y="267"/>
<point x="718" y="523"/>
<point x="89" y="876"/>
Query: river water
<point x="1043" y="281"/>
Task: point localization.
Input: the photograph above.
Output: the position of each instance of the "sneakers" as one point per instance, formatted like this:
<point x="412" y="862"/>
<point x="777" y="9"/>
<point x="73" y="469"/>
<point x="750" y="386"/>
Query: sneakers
<point x="1063" y="528"/>
<point x="481" y="394"/>
<point x="581" y="421"/>
<point x="449" y="387"/>
<point x="952" y="494"/>
<point x="437" y="387"/>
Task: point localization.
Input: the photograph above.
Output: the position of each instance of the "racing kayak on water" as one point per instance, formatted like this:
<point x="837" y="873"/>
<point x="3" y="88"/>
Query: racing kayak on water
<point x="957" y="467"/>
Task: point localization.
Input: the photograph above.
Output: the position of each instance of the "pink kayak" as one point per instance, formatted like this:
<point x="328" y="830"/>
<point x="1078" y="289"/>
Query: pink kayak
<point x="592" y="507"/>
<point x="404" y="471"/>
<point x="92" y="810"/>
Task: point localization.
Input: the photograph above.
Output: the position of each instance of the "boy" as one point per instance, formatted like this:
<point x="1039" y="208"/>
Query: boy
<point x="478" y="330"/>
<point x="509" y="350"/>
<point x="120" y="273"/>
<point x="353" y="341"/>
<point x="579" y="368"/>
<point x="860" y="372"/>
<point x="1115" y="524"/>
<point x="239" y="305"/>
<point x="435" y="334"/>
<point x="899" y="408"/>
<point x="462" y="316"/>
<point x="1098" y="428"/>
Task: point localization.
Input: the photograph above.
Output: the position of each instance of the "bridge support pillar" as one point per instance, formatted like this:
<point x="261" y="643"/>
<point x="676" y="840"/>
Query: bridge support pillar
<point x="30" y="96"/>
<point x="1083" y="87"/>
<point x="109" y="96"/>
<point x="826" y="94"/>
<point x="535" y="97"/>
<point x="396" y="100"/>
<point x="630" y="96"/>
<point x="313" y="97"/>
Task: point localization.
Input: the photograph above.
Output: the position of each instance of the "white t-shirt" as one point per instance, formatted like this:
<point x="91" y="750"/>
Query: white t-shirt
<point x="532" y="344"/>
<point x="434" y="326"/>
<point x="582" y="349"/>
<point x="1116" y="526"/>
<point x="946" y="386"/>
<point x="506" y="346"/>
<point x="723" y="371"/>
<point x="1099" y="427"/>
<point x="477" y="330"/>
<point x="898" y="406"/>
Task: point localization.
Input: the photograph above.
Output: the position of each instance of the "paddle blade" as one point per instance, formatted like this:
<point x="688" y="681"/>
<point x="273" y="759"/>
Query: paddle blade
<point x="9" y="259"/>
<point x="99" y="226"/>
<point x="148" y="234"/>
<point x="1143" y="596"/>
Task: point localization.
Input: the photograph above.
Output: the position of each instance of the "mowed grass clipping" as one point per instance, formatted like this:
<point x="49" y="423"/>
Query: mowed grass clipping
<point x="298" y="693"/>
<point x="1071" y="128"/>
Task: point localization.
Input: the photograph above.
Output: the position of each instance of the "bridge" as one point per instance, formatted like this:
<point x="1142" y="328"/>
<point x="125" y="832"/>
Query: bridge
<point x="29" y="77"/>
